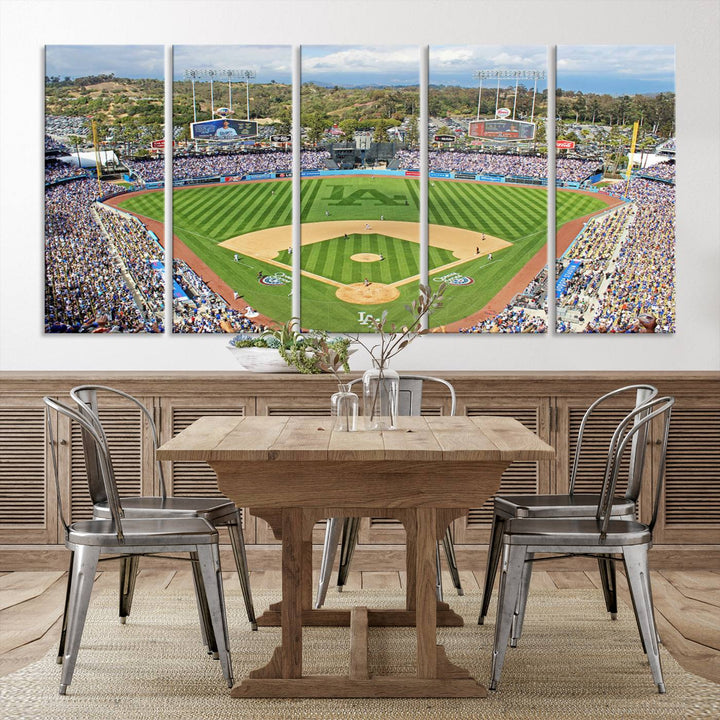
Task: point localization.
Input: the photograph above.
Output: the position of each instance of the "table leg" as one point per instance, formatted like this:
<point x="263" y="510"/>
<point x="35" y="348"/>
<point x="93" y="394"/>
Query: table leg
<point x="425" y="598"/>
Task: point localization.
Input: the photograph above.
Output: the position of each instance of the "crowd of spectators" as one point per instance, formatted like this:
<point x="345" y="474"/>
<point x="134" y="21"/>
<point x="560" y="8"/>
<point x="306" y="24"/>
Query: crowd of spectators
<point x="499" y="164"/>
<point x="139" y="250"/>
<point x="203" y="310"/>
<point x="525" y="313"/>
<point x="57" y="170"/>
<point x="244" y="163"/>
<point x="595" y="247"/>
<point x="661" y="171"/>
<point x="85" y="289"/>
<point x="53" y="145"/>
<point x="630" y="270"/>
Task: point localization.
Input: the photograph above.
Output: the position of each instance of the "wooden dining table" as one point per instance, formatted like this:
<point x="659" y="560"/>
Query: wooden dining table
<point x="294" y="471"/>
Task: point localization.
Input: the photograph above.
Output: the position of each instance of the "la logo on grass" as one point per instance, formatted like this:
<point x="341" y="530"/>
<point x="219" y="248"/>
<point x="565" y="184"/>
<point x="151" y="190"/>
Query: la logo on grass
<point x="364" y="196"/>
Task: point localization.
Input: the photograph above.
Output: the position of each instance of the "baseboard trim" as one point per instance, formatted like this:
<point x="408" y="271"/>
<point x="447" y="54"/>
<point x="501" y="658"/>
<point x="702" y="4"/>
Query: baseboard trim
<point x="14" y="558"/>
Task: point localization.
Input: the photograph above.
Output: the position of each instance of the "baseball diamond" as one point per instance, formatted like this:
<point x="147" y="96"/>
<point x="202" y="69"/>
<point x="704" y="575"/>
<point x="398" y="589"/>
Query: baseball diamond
<point x="485" y="232"/>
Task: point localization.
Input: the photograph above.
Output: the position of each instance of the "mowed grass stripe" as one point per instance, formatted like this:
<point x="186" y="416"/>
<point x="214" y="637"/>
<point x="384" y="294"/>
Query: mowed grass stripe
<point x="507" y="211"/>
<point x="196" y="203"/>
<point x="236" y="209"/>
<point x="456" y="218"/>
<point x="198" y="208"/>
<point x="283" y="199"/>
<point x="308" y="197"/>
<point x="412" y="188"/>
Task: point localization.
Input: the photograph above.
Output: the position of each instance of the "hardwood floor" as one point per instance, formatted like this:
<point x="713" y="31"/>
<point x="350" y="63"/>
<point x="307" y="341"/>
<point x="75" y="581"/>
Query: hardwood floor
<point x="687" y="605"/>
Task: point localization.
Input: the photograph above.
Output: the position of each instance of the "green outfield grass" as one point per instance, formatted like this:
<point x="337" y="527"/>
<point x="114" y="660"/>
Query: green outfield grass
<point x="205" y="216"/>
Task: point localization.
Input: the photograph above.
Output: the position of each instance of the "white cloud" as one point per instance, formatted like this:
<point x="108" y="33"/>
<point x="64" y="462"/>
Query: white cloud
<point x="269" y="61"/>
<point x="325" y="61"/>
<point x="641" y="61"/>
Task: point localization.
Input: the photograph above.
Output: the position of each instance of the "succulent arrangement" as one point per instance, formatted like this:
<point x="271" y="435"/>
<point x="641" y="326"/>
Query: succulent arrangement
<point x="311" y="352"/>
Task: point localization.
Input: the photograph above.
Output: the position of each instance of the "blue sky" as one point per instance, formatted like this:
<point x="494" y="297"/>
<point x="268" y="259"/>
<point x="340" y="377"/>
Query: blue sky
<point x="616" y="69"/>
<point x="613" y="69"/>
<point x="132" y="61"/>
<point x="270" y="62"/>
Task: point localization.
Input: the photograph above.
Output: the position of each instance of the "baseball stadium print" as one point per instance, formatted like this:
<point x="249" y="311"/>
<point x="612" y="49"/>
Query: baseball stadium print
<point x="231" y="187"/>
<point x="104" y="109"/>
<point x="360" y="211"/>
<point x="487" y="195"/>
<point x="362" y="249"/>
<point x="616" y="113"/>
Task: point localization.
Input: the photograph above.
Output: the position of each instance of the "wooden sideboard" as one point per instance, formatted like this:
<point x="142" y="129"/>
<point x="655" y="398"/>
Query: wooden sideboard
<point x="550" y="404"/>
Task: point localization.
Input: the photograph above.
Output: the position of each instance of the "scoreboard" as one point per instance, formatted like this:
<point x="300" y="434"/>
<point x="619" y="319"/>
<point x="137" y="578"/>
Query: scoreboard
<point x="502" y="129"/>
<point x="215" y="129"/>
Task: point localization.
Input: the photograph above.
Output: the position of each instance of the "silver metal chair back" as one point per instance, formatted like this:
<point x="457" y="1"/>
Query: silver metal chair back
<point x="86" y="398"/>
<point x="411" y="390"/>
<point x="635" y="424"/>
<point x="100" y="458"/>
<point x="643" y="393"/>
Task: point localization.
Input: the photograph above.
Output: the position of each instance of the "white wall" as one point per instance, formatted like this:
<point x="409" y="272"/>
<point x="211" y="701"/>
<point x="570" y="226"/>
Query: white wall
<point x="691" y="25"/>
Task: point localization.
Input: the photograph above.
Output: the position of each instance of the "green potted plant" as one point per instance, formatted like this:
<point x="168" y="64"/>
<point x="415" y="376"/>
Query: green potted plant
<point x="285" y="349"/>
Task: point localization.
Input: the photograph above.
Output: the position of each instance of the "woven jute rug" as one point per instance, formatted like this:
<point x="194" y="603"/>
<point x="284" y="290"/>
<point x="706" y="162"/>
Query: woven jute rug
<point x="573" y="662"/>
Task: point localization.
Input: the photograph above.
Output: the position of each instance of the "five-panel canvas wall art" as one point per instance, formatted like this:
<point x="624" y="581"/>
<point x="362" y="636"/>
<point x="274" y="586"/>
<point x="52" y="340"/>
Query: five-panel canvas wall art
<point x="377" y="216"/>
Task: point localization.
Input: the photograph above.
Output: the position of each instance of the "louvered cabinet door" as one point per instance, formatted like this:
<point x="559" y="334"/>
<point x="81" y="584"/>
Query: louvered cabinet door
<point x="131" y="450"/>
<point x="690" y="504"/>
<point x="198" y="478"/>
<point x="520" y="477"/>
<point x="28" y="510"/>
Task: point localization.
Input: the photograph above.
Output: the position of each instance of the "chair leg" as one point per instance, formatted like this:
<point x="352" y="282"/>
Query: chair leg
<point x="206" y="629"/>
<point x="607" y="577"/>
<point x="510" y="579"/>
<point x="81" y="583"/>
<point x="493" y="560"/>
<point x="238" y="546"/>
<point x="449" y="548"/>
<point x="519" y="617"/>
<point x="63" y="631"/>
<point x="209" y="561"/>
<point x="638" y="577"/>
<point x="438" y="574"/>
<point x="351" y="527"/>
<point x="128" y="574"/>
<point x="333" y="528"/>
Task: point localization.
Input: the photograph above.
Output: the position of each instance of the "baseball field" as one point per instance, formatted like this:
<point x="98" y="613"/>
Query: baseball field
<point x="360" y="242"/>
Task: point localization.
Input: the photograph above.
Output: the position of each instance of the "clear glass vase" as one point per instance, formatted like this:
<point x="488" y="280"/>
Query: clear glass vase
<point x="380" y="398"/>
<point x="344" y="408"/>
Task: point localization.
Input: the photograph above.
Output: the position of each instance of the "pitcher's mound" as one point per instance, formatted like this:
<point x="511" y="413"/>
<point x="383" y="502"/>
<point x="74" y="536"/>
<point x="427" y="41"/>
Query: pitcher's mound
<point x="372" y="294"/>
<point x="365" y="257"/>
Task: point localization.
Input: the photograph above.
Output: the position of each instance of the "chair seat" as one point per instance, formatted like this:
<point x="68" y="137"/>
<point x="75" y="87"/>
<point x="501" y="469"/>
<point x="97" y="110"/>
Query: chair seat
<point x="575" y="532"/>
<point x="146" y="531"/>
<point x="148" y="506"/>
<point x="559" y="506"/>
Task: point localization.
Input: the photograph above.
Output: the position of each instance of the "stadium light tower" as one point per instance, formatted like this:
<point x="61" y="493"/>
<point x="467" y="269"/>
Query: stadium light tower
<point x="193" y="75"/>
<point x="516" y="75"/>
<point x="229" y="74"/>
<point x="248" y="75"/>
<point x="211" y="74"/>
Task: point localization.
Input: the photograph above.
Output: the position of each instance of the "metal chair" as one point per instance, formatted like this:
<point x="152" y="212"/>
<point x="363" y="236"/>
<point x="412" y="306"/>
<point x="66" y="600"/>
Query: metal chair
<point x="604" y="536"/>
<point x="409" y="403"/>
<point x="123" y="537"/>
<point x="572" y="504"/>
<point x="218" y="511"/>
